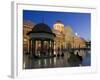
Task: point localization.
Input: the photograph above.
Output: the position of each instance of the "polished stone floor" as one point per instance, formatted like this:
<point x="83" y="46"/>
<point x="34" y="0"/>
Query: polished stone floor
<point x="69" y="60"/>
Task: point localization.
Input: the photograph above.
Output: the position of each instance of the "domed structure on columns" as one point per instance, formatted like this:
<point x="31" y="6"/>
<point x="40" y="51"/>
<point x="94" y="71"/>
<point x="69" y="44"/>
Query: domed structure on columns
<point x="41" y="41"/>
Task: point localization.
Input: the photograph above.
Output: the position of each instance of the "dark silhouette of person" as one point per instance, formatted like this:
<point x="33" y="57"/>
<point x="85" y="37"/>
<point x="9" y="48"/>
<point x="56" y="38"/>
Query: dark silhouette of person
<point x="79" y="57"/>
<point x="58" y="55"/>
<point x="62" y="55"/>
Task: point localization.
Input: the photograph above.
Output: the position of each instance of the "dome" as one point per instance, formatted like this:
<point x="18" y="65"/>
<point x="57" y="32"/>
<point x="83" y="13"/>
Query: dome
<point x="41" y="27"/>
<point x="59" y="26"/>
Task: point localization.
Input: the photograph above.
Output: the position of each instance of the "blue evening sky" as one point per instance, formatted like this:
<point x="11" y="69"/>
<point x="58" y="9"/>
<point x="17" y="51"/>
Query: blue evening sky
<point x="79" y="22"/>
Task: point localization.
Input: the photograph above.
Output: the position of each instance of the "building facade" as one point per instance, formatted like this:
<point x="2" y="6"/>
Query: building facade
<point x="66" y="38"/>
<point x="58" y="29"/>
<point x="27" y="26"/>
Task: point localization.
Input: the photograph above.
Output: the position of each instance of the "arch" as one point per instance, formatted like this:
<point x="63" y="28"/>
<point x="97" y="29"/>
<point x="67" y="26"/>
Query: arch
<point x="76" y="52"/>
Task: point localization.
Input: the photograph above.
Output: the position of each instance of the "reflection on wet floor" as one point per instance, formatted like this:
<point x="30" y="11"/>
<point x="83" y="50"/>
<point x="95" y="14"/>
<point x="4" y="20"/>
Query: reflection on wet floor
<point x="68" y="60"/>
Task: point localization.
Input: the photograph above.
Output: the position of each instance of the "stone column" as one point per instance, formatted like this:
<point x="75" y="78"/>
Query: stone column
<point x="48" y="48"/>
<point x="29" y="43"/>
<point x="41" y="52"/>
<point x="30" y="47"/>
<point x="33" y="47"/>
<point x="51" y="50"/>
<point x="53" y="47"/>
